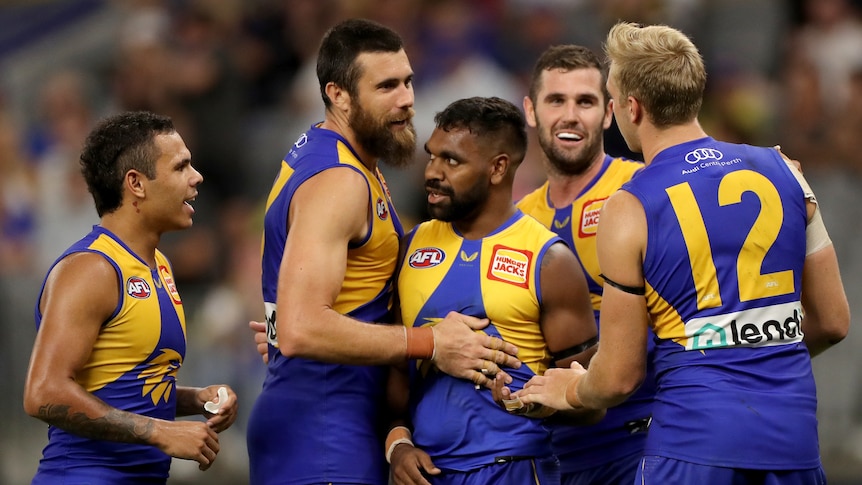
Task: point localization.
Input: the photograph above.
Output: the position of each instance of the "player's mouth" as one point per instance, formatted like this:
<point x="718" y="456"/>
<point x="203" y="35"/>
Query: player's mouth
<point x="400" y="124"/>
<point x="569" y="136"/>
<point x="188" y="203"/>
<point x="436" y="194"/>
<point x="435" y="197"/>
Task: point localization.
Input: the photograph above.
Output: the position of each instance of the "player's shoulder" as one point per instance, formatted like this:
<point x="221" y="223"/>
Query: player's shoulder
<point x="533" y="198"/>
<point x="627" y="164"/>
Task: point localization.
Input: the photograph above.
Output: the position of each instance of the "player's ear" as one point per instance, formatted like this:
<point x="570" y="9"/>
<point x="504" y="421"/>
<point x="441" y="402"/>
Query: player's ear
<point x="339" y="96"/>
<point x="133" y="181"/>
<point x="530" y="112"/>
<point x="500" y="166"/>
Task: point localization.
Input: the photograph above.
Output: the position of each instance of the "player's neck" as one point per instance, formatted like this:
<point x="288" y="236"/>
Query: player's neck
<point x="495" y="212"/>
<point x="128" y="226"/>
<point x="341" y="126"/>
<point x="654" y="140"/>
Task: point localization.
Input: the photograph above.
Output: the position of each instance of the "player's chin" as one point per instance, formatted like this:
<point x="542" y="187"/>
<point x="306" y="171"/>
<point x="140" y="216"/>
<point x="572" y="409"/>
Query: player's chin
<point x="439" y="212"/>
<point x="181" y="224"/>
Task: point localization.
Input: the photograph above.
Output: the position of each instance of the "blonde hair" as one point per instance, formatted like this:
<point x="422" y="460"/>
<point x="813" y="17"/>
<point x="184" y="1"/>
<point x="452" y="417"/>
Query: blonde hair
<point x="660" y="67"/>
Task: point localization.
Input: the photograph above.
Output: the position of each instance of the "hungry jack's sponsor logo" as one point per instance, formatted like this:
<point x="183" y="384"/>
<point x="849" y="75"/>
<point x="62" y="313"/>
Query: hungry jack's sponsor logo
<point x="510" y="266"/>
<point x="169" y="283"/>
<point x="590" y="217"/>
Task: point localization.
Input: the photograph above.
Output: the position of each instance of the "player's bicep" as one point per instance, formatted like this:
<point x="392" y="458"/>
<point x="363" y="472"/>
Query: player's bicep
<point x="624" y="320"/>
<point x="621" y="240"/>
<point x="568" y="322"/>
<point x="327" y="212"/>
<point x="72" y="316"/>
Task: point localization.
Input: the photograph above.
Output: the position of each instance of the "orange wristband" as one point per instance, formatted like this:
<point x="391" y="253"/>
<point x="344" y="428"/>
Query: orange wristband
<point x="420" y="342"/>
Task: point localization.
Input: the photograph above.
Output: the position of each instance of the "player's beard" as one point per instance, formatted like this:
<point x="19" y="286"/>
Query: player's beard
<point x="458" y="207"/>
<point x="375" y="135"/>
<point x="569" y="162"/>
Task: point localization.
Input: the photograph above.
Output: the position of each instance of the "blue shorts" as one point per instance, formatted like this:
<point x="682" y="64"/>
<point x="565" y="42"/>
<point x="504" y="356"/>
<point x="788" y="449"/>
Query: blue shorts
<point x="657" y="470"/>
<point x="528" y="471"/>
<point x="618" y="472"/>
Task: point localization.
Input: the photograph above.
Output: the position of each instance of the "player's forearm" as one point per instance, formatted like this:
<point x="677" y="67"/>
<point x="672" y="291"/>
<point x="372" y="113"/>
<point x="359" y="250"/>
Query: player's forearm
<point x="817" y="341"/>
<point x="596" y="391"/>
<point x="101" y="421"/>
<point x="333" y="337"/>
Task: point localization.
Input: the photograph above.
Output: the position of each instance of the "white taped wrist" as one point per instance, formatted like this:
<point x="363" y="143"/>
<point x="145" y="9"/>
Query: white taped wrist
<point x="392" y="446"/>
<point x="397" y="436"/>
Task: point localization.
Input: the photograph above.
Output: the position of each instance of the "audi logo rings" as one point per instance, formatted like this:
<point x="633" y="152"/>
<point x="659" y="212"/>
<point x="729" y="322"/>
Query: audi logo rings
<point x="702" y="154"/>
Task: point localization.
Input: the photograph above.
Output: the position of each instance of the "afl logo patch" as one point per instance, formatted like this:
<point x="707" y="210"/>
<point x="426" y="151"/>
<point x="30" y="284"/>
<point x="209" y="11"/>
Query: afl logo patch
<point x="426" y="258"/>
<point x="382" y="209"/>
<point x="138" y="287"/>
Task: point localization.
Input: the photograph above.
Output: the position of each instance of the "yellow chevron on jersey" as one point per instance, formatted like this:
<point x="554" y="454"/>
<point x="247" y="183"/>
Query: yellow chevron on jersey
<point x="495" y="277"/>
<point x="664" y="318"/>
<point x="371" y="265"/>
<point x="145" y="339"/>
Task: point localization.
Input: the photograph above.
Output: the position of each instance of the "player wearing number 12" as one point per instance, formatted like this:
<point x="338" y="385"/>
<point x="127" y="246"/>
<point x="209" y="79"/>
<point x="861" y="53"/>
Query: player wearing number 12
<point x="719" y="247"/>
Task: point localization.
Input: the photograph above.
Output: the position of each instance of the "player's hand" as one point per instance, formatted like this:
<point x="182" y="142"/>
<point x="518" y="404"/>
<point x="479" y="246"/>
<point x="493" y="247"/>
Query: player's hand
<point x="462" y="352"/>
<point x="226" y="412"/>
<point x="410" y="465"/>
<point x="259" y="329"/>
<point x="550" y="389"/>
<point x="502" y="395"/>
<point x="188" y="440"/>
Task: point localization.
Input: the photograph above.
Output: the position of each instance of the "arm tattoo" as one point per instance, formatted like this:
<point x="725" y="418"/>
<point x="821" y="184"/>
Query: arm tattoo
<point x="547" y="257"/>
<point x="115" y="425"/>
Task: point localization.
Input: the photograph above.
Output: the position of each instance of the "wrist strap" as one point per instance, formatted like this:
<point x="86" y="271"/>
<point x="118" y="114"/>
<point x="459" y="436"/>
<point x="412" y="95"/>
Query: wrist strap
<point x="420" y="342"/>
<point x="396" y="436"/>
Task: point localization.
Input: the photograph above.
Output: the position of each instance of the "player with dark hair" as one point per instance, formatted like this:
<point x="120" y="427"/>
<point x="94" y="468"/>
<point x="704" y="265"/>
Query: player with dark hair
<point x="111" y="327"/>
<point x="569" y="107"/>
<point x="330" y="247"/>
<point x="483" y="257"/>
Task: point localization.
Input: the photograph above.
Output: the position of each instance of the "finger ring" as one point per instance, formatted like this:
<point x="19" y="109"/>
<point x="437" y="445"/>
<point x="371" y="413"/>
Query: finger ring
<point x="485" y="369"/>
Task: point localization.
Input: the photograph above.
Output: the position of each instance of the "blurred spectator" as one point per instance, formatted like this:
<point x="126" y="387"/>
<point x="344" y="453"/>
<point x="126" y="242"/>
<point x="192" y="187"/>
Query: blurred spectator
<point x="64" y="208"/>
<point x="848" y="126"/>
<point x="830" y="38"/>
<point x="17" y="202"/>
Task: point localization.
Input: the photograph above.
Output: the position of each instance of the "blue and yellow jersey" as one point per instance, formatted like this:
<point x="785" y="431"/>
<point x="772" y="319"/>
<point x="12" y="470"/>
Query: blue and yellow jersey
<point x="301" y="397"/>
<point x="622" y="431"/>
<point x="133" y="367"/>
<point x="577" y="223"/>
<point x="496" y="277"/>
<point x="723" y="272"/>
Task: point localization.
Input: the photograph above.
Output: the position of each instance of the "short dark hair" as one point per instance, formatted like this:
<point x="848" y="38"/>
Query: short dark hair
<point x="342" y="44"/>
<point x="567" y="57"/>
<point x="488" y="116"/>
<point x="116" y="145"/>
